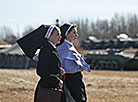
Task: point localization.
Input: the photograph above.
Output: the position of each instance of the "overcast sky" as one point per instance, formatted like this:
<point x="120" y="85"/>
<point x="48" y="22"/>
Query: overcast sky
<point x="18" y="14"/>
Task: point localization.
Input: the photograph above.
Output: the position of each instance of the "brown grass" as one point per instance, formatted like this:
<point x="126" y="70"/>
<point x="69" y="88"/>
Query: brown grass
<point x="101" y="86"/>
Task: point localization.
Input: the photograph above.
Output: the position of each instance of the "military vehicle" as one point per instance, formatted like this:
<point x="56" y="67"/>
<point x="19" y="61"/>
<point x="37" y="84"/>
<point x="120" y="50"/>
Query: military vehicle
<point x="112" y="60"/>
<point x="117" y="43"/>
<point x="113" y="43"/>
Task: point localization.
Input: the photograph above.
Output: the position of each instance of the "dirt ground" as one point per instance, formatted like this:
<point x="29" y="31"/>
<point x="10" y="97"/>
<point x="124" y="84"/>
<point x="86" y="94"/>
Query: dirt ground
<point x="101" y="86"/>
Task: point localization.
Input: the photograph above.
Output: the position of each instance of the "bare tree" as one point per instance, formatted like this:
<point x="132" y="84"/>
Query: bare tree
<point x="5" y="32"/>
<point x="28" y="30"/>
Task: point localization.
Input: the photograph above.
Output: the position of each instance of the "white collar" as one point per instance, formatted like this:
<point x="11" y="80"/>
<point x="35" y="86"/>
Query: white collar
<point x="68" y="42"/>
<point x="51" y="43"/>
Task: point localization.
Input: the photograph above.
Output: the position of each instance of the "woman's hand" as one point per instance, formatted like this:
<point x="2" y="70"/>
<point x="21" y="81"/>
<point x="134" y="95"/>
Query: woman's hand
<point x="62" y="71"/>
<point x="60" y="84"/>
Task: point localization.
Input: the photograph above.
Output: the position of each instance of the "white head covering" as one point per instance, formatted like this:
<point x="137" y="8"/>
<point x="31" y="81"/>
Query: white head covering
<point x="68" y="29"/>
<point x="49" y="31"/>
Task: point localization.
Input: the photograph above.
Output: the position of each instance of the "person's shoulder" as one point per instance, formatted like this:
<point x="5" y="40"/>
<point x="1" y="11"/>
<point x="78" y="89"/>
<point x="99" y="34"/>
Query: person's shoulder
<point x="64" y="45"/>
<point x="46" y="47"/>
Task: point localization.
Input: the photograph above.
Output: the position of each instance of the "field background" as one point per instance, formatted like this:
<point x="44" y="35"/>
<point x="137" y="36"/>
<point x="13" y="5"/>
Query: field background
<point x="101" y="86"/>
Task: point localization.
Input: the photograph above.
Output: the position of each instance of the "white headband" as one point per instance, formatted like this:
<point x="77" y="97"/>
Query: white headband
<point x="68" y="29"/>
<point x="49" y="31"/>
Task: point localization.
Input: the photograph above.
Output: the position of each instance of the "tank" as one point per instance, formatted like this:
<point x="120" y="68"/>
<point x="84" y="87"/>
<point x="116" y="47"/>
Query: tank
<point x="112" y="60"/>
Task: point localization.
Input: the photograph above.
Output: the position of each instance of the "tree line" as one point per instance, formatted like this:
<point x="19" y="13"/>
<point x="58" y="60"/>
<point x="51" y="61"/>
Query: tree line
<point x="108" y="29"/>
<point x="101" y="28"/>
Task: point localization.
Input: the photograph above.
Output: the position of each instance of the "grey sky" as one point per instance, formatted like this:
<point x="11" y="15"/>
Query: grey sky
<point x="22" y="13"/>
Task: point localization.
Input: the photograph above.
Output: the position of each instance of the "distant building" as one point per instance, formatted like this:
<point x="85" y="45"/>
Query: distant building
<point x="13" y="57"/>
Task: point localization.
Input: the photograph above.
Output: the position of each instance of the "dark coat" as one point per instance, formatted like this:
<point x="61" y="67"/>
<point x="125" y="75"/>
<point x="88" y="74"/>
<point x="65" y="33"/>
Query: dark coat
<point x="49" y="66"/>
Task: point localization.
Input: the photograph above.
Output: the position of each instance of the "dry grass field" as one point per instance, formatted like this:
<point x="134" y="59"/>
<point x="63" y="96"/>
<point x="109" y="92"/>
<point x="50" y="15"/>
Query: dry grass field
<point x="101" y="86"/>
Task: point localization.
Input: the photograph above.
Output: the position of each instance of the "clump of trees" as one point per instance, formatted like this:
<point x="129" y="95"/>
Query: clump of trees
<point x="105" y="29"/>
<point x="7" y="35"/>
<point x="101" y="29"/>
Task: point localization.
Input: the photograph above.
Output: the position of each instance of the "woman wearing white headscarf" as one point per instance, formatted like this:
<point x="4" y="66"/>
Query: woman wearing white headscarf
<point x="49" y="66"/>
<point x="73" y="63"/>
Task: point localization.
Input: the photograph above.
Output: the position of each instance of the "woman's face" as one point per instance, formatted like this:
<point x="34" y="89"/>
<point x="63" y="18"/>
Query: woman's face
<point x="55" y="37"/>
<point x="72" y="35"/>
